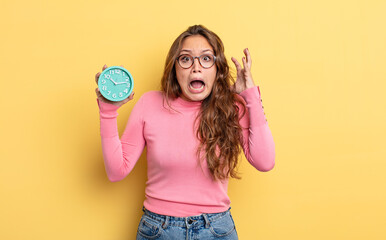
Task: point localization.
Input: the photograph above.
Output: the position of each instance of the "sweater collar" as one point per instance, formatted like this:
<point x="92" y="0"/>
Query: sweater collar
<point x="180" y="102"/>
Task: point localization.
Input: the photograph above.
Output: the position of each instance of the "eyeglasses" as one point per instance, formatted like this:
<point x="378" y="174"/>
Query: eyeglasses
<point x="205" y="60"/>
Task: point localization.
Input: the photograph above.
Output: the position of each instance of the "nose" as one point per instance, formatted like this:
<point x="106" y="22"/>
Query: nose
<point x="196" y="65"/>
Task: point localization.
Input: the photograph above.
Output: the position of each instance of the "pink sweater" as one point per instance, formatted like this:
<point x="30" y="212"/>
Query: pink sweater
<point x="176" y="185"/>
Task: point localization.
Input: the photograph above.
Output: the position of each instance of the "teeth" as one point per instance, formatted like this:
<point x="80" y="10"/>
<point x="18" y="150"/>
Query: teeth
<point x="190" y="85"/>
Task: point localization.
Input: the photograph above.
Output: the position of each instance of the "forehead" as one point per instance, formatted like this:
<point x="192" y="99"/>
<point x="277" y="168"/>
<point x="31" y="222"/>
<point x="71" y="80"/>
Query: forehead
<point x="196" y="44"/>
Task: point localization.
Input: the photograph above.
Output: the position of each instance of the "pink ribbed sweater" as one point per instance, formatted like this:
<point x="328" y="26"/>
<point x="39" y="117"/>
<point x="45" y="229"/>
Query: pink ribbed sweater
<point x="176" y="185"/>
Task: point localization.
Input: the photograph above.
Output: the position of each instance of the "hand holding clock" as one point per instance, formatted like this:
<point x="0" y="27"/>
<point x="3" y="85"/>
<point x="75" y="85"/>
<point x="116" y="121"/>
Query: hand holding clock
<point x="109" y="78"/>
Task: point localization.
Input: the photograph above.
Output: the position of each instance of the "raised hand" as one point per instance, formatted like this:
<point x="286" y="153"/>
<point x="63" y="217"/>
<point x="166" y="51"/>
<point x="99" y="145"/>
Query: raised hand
<point x="103" y="99"/>
<point x="244" y="77"/>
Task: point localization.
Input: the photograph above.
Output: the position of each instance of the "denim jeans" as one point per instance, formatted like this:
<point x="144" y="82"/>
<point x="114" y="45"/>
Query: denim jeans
<point x="205" y="226"/>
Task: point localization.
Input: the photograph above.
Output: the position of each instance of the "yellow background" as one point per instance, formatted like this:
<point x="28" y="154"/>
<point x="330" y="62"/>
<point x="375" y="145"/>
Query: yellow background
<point x="321" y="68"/>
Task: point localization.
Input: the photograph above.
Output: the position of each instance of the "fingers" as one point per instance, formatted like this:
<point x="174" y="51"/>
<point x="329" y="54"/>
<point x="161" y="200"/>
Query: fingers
<point x="97" y="77"/>
<point x="98" y="74"/>
<point x="237" y="64"/>
<point x="98" y="93"/>
<point x="249" y="59"/>
<point x="132" y="95"/>
<point x="127" y="99"/>
<point x="245" y="64"/>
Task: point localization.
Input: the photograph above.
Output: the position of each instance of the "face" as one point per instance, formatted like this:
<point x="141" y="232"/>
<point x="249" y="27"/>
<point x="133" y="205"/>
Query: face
<point x="196" y="82"/>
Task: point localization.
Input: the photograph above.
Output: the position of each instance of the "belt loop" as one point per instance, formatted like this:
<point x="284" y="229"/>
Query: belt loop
<point x="206" y="220"/>
<point x="165" y="224"/>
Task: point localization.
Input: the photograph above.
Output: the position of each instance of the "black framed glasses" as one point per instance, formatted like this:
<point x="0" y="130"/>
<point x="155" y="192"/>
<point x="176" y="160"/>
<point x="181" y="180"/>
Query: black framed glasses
<point x="205" y="60"/>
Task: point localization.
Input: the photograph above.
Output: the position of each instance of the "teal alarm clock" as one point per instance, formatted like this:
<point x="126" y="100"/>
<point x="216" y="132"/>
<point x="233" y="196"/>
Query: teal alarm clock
<point x="115" y="83"/>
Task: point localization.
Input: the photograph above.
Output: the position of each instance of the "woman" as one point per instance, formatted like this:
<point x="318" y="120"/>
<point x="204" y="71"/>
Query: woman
<point x="194" y="130"/>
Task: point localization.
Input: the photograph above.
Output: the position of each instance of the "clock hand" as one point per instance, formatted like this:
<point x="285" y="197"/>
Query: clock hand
<point x="113" y="81"/>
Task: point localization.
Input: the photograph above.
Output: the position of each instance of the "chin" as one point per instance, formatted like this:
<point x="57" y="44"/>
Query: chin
<point x="198" y="97"/>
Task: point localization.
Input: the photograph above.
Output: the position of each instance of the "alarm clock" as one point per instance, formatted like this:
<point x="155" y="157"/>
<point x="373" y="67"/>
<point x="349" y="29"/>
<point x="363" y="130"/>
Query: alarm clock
<point x="115" y="83"/>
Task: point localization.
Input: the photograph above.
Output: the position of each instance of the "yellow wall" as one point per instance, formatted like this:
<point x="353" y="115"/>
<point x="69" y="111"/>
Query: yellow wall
<point x="321" y="69"/>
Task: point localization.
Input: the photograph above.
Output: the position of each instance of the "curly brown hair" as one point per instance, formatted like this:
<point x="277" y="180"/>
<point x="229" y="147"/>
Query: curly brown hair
<point x="219" y="130"/>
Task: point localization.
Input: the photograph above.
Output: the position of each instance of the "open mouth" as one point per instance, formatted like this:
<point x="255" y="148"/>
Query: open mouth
<point x="197" y="84"/>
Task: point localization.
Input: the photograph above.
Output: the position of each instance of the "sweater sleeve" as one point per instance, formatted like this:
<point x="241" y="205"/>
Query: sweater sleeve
<point x="258" y="144"/>
<point x="120" y="155"/>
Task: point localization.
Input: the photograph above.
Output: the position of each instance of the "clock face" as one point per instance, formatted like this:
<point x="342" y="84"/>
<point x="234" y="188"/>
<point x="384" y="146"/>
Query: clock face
<point x="115" y="83"/>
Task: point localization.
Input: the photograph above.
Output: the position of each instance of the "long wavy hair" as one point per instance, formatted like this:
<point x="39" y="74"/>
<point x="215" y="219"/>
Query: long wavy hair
<point x="219" y="130"/>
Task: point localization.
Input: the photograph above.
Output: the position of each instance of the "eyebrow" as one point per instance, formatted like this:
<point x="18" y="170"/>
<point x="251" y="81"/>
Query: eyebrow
<point x="187" y="50"/>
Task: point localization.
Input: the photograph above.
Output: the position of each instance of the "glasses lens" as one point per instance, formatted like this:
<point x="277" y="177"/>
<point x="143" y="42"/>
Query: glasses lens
<point x="207" y="60"/>
<point x="185" y="61"/>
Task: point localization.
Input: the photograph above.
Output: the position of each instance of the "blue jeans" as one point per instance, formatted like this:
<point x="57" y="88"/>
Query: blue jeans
<point x="205" y="226"/>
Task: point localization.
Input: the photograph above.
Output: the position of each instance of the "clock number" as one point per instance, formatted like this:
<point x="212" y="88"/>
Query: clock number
<point x="118" y="71"/>
<point x="111" y="71"/>
<point x="114" y="95"/>
<point x="104" y="88"/>
<point x="103" y="81"/>
<point x="120" y="94"/>
<point x="126" y="91"/>
<point x="107" y="76"/>
<point x="108" y="92"/>
<point x="127" y="79"/>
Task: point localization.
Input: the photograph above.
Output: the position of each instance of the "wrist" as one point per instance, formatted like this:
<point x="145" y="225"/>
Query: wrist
<point x="250" y="84"/>
<point x="107" y="107"/>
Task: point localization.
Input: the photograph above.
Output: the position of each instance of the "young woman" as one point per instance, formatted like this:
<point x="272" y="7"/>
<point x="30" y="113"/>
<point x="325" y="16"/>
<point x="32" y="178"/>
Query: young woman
<point x="194" y="130"/>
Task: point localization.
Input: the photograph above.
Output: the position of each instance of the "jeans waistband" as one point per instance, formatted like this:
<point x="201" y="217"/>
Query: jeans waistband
<point x="206" y="217"/>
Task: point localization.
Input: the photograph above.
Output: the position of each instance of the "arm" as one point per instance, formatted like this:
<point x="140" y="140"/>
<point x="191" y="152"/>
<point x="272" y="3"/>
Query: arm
<point x="120" y="155"/>
<point x="258" y="146"/>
